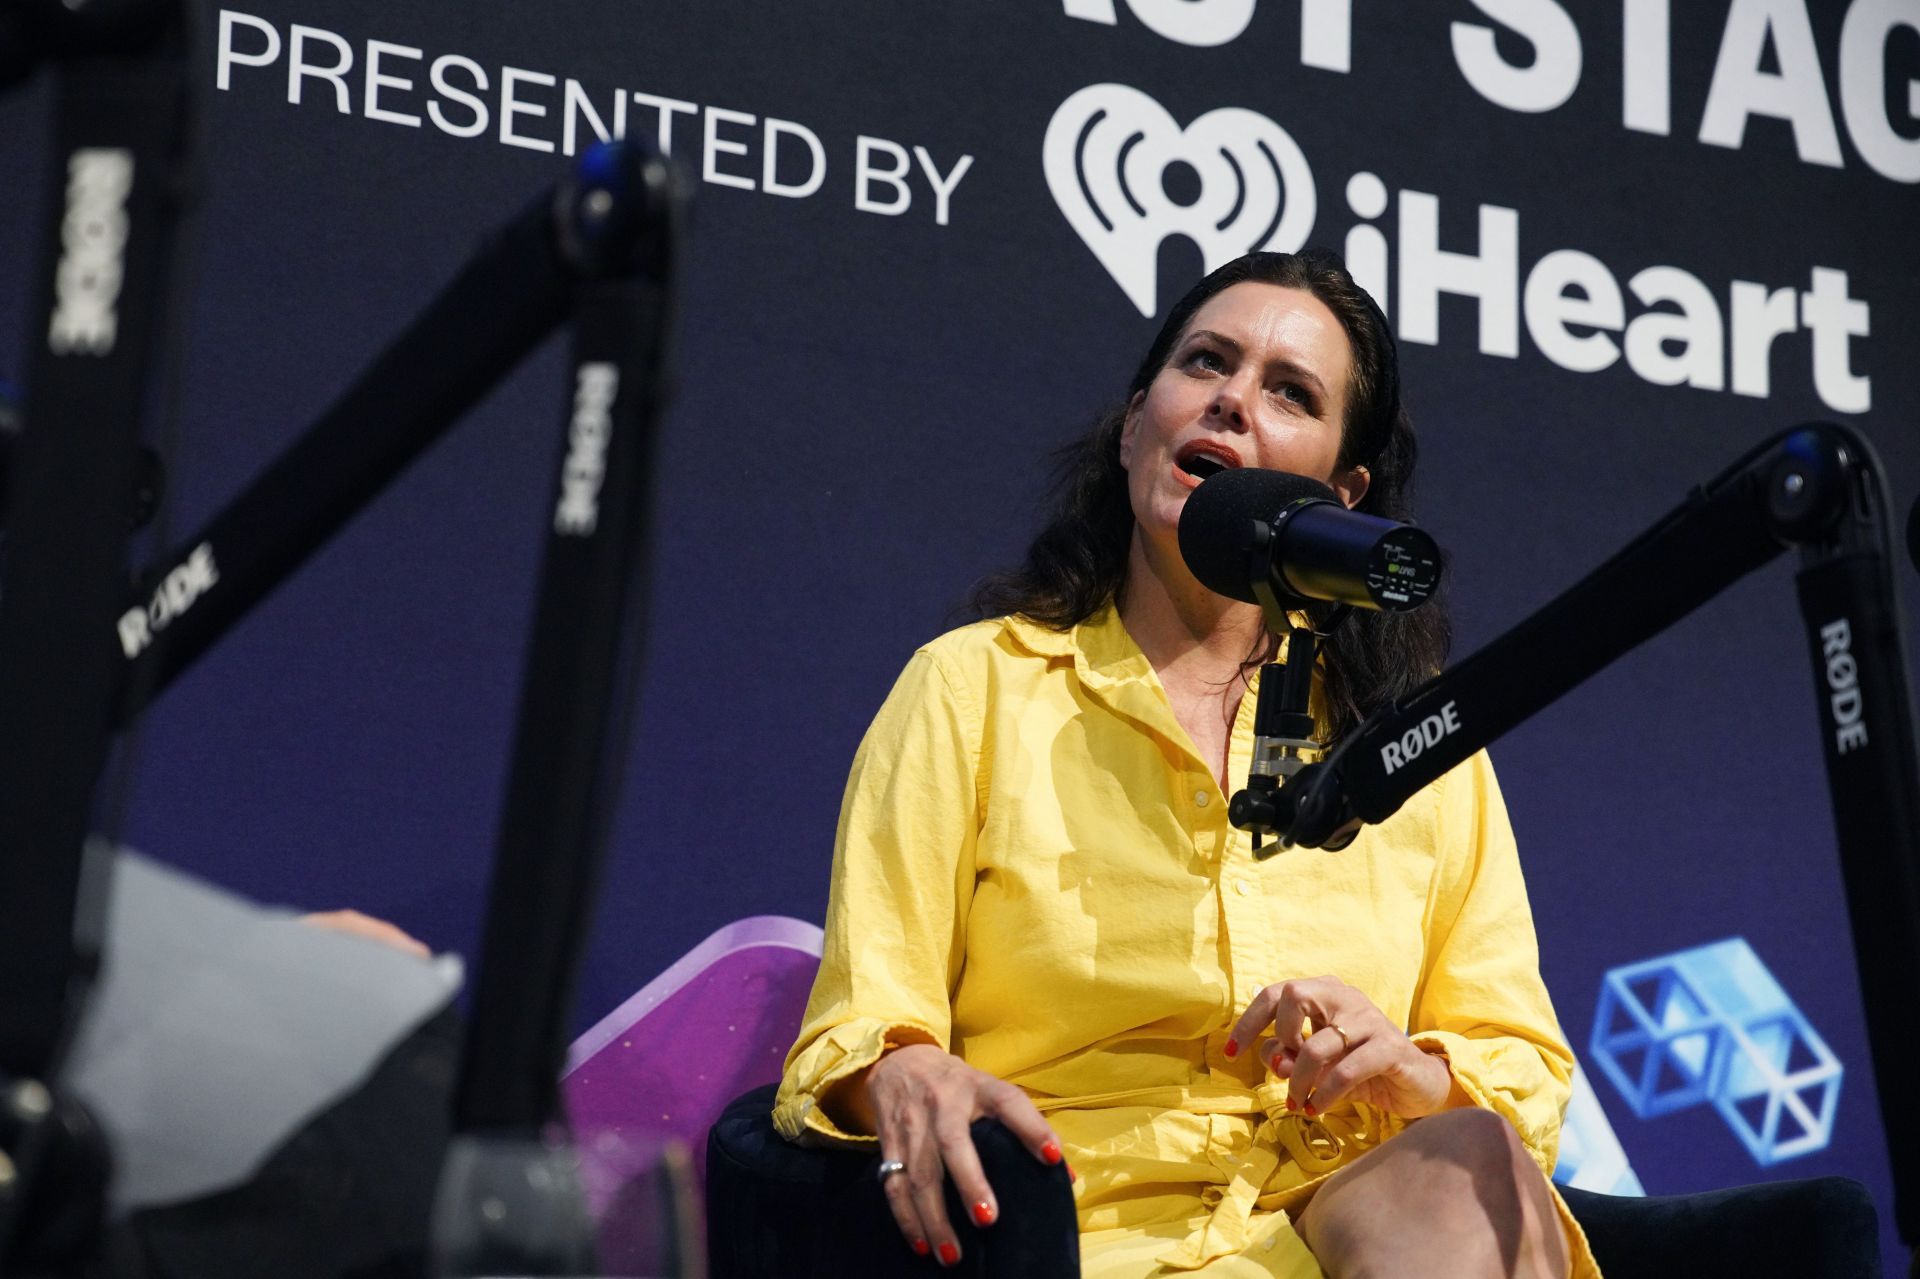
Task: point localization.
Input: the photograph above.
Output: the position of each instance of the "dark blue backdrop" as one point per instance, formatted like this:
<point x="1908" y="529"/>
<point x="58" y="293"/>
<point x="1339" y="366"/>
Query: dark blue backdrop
<point x="865" y="401"/>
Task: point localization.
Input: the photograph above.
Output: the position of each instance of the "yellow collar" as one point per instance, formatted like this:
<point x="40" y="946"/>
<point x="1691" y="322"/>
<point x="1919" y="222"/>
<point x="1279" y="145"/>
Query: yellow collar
<point x="1103" y="652"/>
<point x="1109" y="665"/>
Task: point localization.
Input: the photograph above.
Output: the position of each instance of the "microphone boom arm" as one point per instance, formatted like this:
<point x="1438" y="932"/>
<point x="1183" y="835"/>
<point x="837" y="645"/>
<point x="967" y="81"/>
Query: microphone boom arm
<point x="1820" y="489"/>
<point x="79" y="657"/>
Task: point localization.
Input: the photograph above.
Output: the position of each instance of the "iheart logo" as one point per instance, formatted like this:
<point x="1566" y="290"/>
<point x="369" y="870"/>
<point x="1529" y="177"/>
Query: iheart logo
<point x="1106" y="156"/>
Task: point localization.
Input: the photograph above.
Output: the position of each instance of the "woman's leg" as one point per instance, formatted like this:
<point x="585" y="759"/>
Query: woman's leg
<point x="1454" y="1194"/>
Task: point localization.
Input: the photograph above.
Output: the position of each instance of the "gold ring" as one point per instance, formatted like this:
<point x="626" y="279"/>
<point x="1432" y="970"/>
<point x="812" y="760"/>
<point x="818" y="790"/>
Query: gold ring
<point x="1346" y="1045"/>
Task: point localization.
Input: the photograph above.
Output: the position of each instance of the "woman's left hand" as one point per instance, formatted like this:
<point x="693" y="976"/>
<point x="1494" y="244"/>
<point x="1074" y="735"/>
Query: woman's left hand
<point x="1334" y="1045"/>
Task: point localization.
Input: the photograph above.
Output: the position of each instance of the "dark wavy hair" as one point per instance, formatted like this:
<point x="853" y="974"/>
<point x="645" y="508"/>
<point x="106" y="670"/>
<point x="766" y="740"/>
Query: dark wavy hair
<point x="1079" y="560"/>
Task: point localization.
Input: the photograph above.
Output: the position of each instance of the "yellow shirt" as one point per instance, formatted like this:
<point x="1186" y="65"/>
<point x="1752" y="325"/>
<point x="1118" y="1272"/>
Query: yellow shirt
<point x="1034" y="871"/>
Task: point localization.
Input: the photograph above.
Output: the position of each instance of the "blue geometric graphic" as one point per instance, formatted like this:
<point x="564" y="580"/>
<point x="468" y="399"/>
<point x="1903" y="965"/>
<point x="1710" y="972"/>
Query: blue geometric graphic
<point x="1712" y="1024"/>
<point x="1591" y="1157"/>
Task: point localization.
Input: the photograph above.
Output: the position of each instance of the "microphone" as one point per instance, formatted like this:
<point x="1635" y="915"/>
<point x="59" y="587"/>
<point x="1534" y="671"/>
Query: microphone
<point x="1282" y="541"/>
<point x="1244" y="528"/>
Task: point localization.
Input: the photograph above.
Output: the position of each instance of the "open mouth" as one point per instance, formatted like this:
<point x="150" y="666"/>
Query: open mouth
<point x="1199" y="459"/>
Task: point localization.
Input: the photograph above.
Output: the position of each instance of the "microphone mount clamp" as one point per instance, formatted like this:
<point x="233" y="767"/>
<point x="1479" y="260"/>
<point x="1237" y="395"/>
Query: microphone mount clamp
<point x="1283" y="740"/>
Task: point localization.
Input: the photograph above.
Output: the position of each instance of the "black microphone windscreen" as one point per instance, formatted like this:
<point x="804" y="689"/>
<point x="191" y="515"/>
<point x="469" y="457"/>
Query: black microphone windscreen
<point x="1217" y="524"/>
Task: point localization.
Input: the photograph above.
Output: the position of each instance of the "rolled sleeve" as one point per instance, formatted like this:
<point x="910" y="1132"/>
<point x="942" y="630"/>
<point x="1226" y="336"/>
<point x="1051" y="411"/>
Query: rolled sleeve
<point x="903" y="870"/>
<point x="1482" y="1003"/>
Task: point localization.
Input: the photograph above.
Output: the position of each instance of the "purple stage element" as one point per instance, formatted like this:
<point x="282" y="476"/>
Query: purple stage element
<point x="662" y="1066"/>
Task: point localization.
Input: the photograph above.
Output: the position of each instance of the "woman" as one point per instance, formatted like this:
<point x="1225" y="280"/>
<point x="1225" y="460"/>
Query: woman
<point x="1322" y="1062"/>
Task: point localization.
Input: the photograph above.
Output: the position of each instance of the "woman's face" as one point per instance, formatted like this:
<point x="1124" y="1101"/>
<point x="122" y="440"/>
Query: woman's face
<point x="1259" y="378"/>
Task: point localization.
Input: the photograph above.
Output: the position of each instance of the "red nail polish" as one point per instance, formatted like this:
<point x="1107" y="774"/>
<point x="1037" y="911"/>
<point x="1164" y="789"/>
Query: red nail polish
<point x="1290" y="1105"/>
<point x="983" y="1213"/>
<point x="1051" y="1152"/>
<point x="920" y="1248"/>
<point x="1311" y="1112"/>
<point x="1231" y="1051"/>
<point x="949" y="1255"/>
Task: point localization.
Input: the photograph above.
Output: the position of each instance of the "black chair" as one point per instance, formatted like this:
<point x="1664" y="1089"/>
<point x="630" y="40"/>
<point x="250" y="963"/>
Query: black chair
<point x="778" y="1211"/>
<point x="1823" y="1228"/>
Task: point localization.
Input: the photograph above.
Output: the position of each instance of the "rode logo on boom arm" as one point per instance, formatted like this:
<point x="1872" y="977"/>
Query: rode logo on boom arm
<point x="93" y="240"/>
<point x="1429" y="732"/>
<point x="1843" y="685"/>
<point x="586" y="467"/>
<point x="1107" y="152"/>
<point x="179" y="591"/>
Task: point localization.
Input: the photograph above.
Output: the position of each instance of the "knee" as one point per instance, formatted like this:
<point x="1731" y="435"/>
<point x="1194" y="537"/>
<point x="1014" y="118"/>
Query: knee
<point x="1476" y="1168"/>
<point x="1481" y="1142"/>
<point x="1496" y="1183"/>
<point x="1460" y="1182"/>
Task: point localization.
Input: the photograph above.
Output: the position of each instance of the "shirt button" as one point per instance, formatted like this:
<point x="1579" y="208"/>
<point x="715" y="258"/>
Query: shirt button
<point x="1242" y="887"/>
<point x="1200" y="799"/>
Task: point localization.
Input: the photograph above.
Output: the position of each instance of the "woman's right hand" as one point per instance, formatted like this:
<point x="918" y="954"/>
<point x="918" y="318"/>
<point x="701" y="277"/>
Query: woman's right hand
<point x="923" y="1102"/>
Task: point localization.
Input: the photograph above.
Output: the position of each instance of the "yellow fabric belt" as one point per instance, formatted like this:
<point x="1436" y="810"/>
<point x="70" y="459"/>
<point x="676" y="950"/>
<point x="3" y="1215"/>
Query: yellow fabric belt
<point x="1317" y="1146"/>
